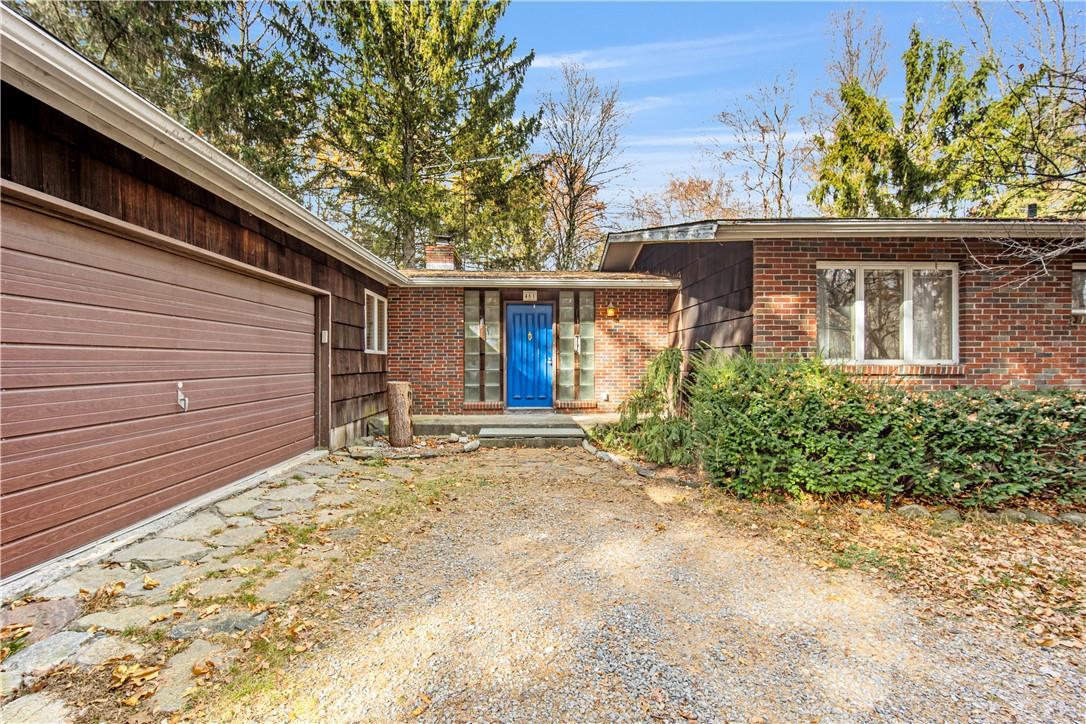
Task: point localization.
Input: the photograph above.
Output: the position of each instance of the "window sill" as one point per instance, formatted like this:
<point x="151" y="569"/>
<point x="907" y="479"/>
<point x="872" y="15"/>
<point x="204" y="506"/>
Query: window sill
<point x="904" y="370"/>
<point x="488" y="405"/>
<point x="574" y="404"/>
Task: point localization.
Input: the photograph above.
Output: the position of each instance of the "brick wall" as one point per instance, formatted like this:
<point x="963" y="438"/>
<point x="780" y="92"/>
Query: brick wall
<point x="1012" y="331"/>
<point x="426" y="346"/>
<point x="426" y="343"/>
<point x="625" y="347"/>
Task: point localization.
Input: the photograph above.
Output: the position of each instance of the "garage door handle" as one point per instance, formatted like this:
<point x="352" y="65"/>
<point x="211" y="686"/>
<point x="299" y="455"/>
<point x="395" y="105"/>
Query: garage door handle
<point x="182" y="401"/>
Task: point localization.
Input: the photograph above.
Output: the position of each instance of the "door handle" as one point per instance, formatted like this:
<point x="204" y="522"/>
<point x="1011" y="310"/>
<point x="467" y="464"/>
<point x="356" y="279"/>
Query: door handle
<point x="182" y="400"/>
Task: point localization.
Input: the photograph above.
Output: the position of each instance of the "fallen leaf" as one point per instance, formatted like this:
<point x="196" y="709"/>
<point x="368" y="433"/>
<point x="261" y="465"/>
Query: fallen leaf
<point x="203" y="669"/>
<point x="132" y="673"/>
<point x="149" y="583"/>
<point x="15" y="631"/>
<point x="157" y="618"/>
<point x="135" y="699"/>
<point x="210" y="610"/>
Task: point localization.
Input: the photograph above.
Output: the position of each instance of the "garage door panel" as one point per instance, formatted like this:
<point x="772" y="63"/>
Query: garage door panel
<point x="41" y="459"/>
<point x="46" y="544"/>
<point x="37" y="277"/>
<point x="36" y="410"/>
<point x="97" y="332"/>
<point x="33" y="322"/>
<point x="63" y="501"/>
<point x="89" y="249"/>
<point x="47" y="366"/>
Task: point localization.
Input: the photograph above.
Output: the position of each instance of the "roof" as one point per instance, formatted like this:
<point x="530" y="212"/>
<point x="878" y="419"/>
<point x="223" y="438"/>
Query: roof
<point x="40" y="65"/>
<point x="622" y="248"/>
<point x="553" y="279"/>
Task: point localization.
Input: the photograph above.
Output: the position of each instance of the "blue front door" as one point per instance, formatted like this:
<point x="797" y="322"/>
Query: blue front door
<point x="528" y="354"/>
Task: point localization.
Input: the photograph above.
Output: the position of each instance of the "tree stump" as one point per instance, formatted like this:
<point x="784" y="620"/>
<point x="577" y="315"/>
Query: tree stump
<point x="400" y="433"/>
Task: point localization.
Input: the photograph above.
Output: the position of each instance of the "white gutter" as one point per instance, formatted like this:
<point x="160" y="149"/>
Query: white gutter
<point x="755" y="229"/>
<point x="546" y="282"/>
<point x="39" y="65"/>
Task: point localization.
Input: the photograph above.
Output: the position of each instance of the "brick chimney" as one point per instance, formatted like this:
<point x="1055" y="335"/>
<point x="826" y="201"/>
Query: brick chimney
<point x="440" y="254"/>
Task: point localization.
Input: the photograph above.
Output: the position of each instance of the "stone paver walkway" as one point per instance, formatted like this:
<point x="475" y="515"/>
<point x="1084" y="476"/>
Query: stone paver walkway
<point x="506" y="585"/>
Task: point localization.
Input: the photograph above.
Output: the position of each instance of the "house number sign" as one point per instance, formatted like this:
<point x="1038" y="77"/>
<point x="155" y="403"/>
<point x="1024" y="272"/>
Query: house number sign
<point x="529" y="295"/>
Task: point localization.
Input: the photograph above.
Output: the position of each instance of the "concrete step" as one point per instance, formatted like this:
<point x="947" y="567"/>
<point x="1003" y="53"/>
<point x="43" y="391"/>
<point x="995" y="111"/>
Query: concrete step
<point x="511" y="431"/>
<point x="533" y="442"/>
<point x="472" y="424"/>
<point x="509" y="436"/>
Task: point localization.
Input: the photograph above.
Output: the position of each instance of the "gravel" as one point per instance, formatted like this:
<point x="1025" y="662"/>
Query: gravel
<point x="554" y="595"/>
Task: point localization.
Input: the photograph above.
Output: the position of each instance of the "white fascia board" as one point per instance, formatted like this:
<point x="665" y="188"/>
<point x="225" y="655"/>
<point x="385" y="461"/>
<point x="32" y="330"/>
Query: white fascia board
<point x="888" y="228"/>
<point x="546" y="282"/>
<point x="39" y="65"/>
<point x="622" y="248"/>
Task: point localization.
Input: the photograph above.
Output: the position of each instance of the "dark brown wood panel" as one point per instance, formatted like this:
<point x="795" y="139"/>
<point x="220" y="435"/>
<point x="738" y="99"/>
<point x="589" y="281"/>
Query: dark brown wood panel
<point x="50" y="152"/>
<point x="92" y="352"/>
<point x="715" y="304"/>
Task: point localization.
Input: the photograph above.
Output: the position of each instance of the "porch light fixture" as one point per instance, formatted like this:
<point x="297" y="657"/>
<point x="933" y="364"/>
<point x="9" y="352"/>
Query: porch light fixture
<point x="612" y="311"/>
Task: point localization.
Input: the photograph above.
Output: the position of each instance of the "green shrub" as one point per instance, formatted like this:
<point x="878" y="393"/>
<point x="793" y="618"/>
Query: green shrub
<point x="796" y="426"/>
<point x="650" y="420"/>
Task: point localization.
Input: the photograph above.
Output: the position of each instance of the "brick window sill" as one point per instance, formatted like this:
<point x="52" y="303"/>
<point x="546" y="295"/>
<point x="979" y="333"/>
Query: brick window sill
<point x="489" y="405"/>
<point x="906" y="370"/>
<point x="574" y="404"/>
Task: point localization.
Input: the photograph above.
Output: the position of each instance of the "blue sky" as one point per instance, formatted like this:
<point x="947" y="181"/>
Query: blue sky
<point x="680" y="64"/>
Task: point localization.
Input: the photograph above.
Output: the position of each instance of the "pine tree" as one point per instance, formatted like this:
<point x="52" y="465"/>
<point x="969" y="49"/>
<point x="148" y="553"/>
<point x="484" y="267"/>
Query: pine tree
<point x="421" y="116"/>
<point x="872" y="164"/>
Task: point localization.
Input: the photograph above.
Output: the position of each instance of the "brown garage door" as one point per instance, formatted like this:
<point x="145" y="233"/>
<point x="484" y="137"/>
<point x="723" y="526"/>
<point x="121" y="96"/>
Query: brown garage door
<point x="96" y="333"/>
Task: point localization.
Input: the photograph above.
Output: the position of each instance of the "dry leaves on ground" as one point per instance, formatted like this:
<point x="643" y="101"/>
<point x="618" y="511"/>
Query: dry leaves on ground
<point x="1031" y="577"/>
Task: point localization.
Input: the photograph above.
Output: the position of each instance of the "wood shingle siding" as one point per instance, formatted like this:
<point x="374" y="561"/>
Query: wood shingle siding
<point x="715" y="304"/>
<point x="45" y="150"/>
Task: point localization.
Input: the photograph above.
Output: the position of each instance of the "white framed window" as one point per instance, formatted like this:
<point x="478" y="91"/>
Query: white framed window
<point x="1078" y="288"/>
<point x="376" y="323"/>
<point x="888" y="312"/>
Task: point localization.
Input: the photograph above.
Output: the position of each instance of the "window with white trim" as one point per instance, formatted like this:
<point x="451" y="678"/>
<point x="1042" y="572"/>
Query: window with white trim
<point x="376" y="323"/>
<point x="1078" y="288"/>
<point x="888" y="312"/>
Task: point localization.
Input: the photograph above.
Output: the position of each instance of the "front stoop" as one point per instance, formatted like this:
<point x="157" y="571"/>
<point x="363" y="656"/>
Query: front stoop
<point x="535" y="437"/>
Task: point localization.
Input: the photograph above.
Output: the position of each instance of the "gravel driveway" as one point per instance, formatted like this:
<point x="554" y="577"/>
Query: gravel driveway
<point x="567" y="589"/>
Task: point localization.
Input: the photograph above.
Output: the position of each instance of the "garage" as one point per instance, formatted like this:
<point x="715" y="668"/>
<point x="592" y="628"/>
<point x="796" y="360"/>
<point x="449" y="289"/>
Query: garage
<point x="135" y="376"/>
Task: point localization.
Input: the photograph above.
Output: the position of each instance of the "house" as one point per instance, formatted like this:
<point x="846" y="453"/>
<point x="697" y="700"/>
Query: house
<point x="173" y="324"/>
<point x="920" y="300"/>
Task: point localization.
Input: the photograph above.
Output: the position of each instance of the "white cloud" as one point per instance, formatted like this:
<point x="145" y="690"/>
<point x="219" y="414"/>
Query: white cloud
<point x="677" y="58"/>
<point x="647" y="103"/>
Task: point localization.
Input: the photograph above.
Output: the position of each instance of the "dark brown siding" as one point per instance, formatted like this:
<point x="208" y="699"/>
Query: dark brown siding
<point x="96" y="333"/>
<point x="50" y="152"/>
<point x="715" y="304"/>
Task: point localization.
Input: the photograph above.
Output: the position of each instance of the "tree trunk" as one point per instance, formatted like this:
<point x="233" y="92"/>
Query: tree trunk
<point x="399" y="414"/>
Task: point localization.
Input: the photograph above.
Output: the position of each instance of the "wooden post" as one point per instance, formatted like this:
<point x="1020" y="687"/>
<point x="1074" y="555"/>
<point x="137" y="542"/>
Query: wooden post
<point x="399" y="414"/>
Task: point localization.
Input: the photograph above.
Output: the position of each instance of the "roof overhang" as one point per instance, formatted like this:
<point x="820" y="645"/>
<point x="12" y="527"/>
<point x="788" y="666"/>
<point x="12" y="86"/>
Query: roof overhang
<point x="622" y="248"/>
<point x="36" y="63"/>
<point x="543" y="281"/>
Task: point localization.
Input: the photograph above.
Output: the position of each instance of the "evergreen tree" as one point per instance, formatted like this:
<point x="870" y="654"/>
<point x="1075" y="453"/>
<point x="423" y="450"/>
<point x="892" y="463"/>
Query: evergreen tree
<point x="420" y="119"/>
<point x="238" y="73"/>
<point x="872" y="164"/>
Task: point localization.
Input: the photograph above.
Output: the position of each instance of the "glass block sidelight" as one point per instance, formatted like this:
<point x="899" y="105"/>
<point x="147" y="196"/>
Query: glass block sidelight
<point x="472" y="346"/>
<point x="492" y="346"/>
<point x="567" y="324"/>
<point x="482" y="346"/>
<point x="587" y="354"/>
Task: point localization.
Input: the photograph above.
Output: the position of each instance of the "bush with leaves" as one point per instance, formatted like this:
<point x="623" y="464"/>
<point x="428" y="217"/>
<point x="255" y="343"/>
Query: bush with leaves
<point x="650" y="421"/>
<point x="786" y="427"/>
